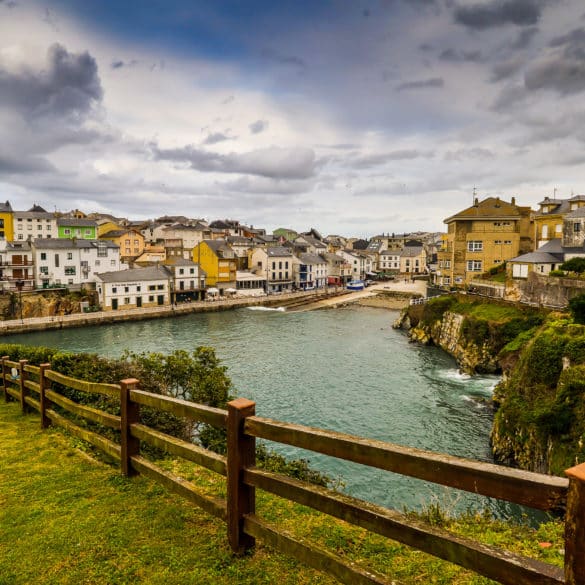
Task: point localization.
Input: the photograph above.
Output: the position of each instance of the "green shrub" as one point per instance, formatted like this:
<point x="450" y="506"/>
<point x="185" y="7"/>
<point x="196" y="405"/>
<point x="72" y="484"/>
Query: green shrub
<point x="577" y="308"/>
<point x="556" y="273"/>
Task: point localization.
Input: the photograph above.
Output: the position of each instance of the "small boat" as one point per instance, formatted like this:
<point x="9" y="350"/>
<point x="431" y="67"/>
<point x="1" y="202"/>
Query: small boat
<point x="355" y="285"/>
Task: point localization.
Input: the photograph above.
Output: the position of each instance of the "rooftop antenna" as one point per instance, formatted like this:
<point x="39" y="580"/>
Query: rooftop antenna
<point x="555" y="193"/>
<point x="474" y="195"/>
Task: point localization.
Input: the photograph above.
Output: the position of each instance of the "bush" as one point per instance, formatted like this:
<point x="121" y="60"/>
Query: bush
<point x="577" y="308"/>
<point x="556" y="273"/>
<point x="574" y="265"/>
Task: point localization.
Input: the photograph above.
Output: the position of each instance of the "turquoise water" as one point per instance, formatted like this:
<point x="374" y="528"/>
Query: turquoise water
<point x="343" y="369"/>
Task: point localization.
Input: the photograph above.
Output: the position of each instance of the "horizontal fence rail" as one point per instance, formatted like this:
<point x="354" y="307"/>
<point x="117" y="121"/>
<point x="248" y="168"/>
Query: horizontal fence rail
<point x="120" y="436"/>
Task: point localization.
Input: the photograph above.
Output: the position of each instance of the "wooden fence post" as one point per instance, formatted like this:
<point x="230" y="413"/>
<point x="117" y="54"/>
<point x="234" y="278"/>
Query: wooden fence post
<point x="575" y="527"/>
<point x="6" y="395"/>
<point x="44" y="384"/>
<point x="241" y="453"/>
<point x="23" y="388"/>
<point x="130" y="414"/>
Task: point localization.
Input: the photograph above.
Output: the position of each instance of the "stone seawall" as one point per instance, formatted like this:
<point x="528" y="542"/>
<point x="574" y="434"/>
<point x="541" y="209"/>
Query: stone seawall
<point x="15" y="326"/>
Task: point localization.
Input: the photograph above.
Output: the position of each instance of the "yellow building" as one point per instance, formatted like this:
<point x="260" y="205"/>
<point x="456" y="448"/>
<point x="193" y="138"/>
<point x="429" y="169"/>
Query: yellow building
<point x="219" y="263"/>
<point x="131" y="243"/>
<point x="481" y="237"/>
<point x="6" y="222"/>
<point x="548" y="220"/>
<point x="105" y="225"/>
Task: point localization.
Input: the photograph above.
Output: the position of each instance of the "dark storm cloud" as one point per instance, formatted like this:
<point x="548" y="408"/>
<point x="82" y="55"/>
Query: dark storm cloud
<point x="506" y="69"/>
<point x="216" y="137"/>
<point x="499" y="13"/>
<point x="456" y="56"/>
<point x="283" y="59"/>
<point x="258" y="126"/>
<point x="432" y="83"/>
<point x="68" y="86"/>
<point x="524" y="38"/>
<point x="120" y="64"/>
<point x="563" y="67"/>
<point x="275" y="162"/>
<point x="10" y="165"/>
<point x="373" y="160"/>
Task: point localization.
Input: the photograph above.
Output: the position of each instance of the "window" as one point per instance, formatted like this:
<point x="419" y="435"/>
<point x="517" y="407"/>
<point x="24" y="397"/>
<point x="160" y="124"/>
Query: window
<point x="138" y="288"/>
<point x="114" y="289"/>
<point x="126" y="300"/>
<point x="576" y="227"/>
<point x="56" y="260"/>
<point x="88" y="232"/>
<point x="67" y="231"/>
<point x="44" y="270"/>
<point x="475" y="246"/>
<point x="545" y="231"/>
<point x="39" y="227"/>
<point x="20" y="237"/>
<point x="48" y="227"/>
<point x="498" y="242"/>
<point x="69" y="255"/>
<point x="474" y="265"/>
<point x="69" y="270"/>
<point x="20" y="225"/>
<point x="97" y="263"/>
<point x="43" y="255"/>
<point x="151" y="287"/>
<point x="136" y="242"/>
<point x="126" y="289"/>
<point x="286" y="264"/>
<point x="181" y="271"/>
<point x="508" y="242"/>
<point x="160" y="287"/>
<point x="559" y="228"/>
<point x="112" y="263"/>
<point x="447" y="263"/>
<point x="151" y="299"/>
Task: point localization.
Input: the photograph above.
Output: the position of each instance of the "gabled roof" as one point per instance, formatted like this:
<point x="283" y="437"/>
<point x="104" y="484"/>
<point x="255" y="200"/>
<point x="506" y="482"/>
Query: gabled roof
<point x="221" y="249"/>
<point x="65" y="243"/>
<point x="311" y="259"/>
<point x="118" y="233"/>
<point x="157" y="272"/>
<point x="5" y="207"/>
<point x="580" y="212"/>
<point x="74" y="222"/>
<point x="275" y="251"/>
<point x="537" y="258"/>
<point x="37" y="208"/>
<point x="490" y="208"/>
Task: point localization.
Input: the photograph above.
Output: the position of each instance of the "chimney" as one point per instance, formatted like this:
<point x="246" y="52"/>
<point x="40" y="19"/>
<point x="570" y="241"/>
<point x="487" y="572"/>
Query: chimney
<point x="513" y="200"/>
<point x="476" y="202"/>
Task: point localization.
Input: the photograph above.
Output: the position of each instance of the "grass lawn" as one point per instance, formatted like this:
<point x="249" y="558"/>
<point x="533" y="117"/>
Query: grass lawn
<point x="66" y="518"/>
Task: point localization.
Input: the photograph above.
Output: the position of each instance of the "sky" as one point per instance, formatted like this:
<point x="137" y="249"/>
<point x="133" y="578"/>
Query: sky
<point x="356" y="117"/>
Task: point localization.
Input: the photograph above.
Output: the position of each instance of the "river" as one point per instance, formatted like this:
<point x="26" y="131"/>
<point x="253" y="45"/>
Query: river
<point x="343" y="369"/>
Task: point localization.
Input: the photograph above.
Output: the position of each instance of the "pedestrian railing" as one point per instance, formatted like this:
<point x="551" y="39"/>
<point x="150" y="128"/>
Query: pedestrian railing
<point x="35" y="387"/>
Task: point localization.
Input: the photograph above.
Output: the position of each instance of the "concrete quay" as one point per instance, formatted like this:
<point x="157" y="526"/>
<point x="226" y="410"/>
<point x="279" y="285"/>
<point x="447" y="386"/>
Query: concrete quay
<point x="15" y="326"/>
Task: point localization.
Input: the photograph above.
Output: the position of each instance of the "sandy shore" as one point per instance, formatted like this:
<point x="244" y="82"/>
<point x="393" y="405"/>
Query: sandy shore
<point x="388" y="295"/>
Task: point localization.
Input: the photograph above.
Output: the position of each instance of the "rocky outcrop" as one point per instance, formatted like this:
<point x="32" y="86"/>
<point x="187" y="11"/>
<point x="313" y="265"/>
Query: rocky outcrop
<point x="448" y="333"/>
<point x="40" y="304"/>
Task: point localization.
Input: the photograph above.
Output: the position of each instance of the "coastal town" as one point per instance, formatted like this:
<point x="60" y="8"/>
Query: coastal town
<point x="495" y="247"/>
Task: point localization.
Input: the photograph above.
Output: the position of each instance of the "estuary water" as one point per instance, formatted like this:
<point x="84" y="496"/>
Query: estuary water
<point x="343" y="369"/>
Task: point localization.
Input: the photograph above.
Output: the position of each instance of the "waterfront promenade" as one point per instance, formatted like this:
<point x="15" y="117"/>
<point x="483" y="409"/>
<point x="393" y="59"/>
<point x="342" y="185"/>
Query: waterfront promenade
<point x="15" y="326"/>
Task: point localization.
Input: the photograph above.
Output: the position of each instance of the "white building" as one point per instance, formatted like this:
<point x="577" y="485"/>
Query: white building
<point x="134" y="288"/>
<point x="188" y="280"/>
<point x="73" y="263"/>
<point x="311" y="271"/>
<point x="276" y="265"/>
<point x="16" y="266"/>
<point x="34" y="224"/>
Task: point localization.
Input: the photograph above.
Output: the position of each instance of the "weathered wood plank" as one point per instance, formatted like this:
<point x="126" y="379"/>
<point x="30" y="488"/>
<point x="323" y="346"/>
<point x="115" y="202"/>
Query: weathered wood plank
<point x="5" y="370"/>
<point x="214" y="506"/>
<point x="194" y="453"/>
<point x="87" y="412"/>
<point x="44" y="386"/>
<point x="32" y="386"/>
<point x="84" y="386"/>
<point x="538" y="491"/>
<point x="309" y="554"/>
<point x="502" y="566"/>
<point x="198" y="412"/>
<point x="12" y="364"/>
<point x="107" y="446"/>
<point x="130" y="414"/>
<point x="13" y="392"/>
<point x="32" y="369"/>
<point x="30" y="401"/>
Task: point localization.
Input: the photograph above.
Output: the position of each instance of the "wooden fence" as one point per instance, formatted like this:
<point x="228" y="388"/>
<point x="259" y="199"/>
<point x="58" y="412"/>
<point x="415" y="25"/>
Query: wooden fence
<point x="32" y="387"/>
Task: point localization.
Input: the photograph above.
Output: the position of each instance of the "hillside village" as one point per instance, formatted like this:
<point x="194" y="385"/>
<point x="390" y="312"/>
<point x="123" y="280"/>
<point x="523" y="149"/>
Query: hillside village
<point x="494" y="246"/>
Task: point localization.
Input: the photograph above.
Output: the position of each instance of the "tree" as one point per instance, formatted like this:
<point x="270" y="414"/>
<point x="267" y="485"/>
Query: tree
<point x="577" y="308"/>
<point x="574" y="265"/>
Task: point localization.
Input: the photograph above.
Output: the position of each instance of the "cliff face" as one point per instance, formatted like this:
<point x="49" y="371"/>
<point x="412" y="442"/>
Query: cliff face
<point x="539" y="424"/>
<point x="46" y="304"/>
<point x="540" y="421"/>
<point x="450" y="334"/>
